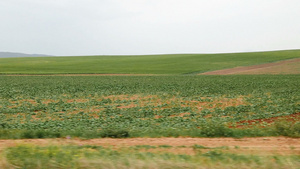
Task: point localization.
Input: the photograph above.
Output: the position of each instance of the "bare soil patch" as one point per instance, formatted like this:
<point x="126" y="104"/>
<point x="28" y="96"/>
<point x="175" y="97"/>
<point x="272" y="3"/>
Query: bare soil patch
<point x="291" y="66"/>
<point x="250" y="123"/>
<point x="260" y="145"/>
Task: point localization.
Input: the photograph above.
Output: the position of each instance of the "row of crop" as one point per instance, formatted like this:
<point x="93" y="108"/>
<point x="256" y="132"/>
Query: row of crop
<point x="175" y="103"/>
<point x="184" y="86"/>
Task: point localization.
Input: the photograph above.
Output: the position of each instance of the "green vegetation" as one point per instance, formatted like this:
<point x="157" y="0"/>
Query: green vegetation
<point x="35" y="157"/>
<point x="151" y="64"/>
<point x="151" y="106"/>
<point x="145" y="106"/>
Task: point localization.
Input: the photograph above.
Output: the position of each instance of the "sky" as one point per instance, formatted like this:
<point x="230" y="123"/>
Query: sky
<point x="134" y="27"/>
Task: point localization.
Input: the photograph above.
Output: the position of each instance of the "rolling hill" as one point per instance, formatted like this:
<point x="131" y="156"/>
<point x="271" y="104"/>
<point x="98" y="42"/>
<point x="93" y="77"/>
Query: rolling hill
<point x="13" y="55"/>
<point x="144" y="64"/>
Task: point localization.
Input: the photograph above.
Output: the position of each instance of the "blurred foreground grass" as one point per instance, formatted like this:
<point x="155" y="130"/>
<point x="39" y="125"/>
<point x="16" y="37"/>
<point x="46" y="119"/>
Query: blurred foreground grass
<point x="86" y="156"/>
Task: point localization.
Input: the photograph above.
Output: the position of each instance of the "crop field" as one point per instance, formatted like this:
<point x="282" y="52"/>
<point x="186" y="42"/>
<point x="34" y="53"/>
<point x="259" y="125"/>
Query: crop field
<point x="148" y="119"/>
<point x="149" y="106"/>
<point x="86" y="107"/>
<point x="148" y="64"/>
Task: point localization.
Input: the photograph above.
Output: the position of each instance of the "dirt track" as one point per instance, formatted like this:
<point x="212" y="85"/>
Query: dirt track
<point x="282" y="67"/>
<point x="260" y="145"/>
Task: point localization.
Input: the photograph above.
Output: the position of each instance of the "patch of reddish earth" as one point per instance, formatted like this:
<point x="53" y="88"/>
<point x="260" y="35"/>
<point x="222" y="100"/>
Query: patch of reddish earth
<point x="268" y="68"/>
<point x="257" y="122"/>
<point x="260" y="145"/>
<point x="181" y="114"/>
<point x="127" y="106"/>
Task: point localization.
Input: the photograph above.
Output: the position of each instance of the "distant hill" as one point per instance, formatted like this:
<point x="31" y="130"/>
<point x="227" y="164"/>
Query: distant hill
<point x="12" y="54"/>
<point x="146" y="64"/>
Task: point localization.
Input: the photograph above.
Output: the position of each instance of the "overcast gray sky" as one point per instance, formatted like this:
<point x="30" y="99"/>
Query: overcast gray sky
<point x="90" y="27"/>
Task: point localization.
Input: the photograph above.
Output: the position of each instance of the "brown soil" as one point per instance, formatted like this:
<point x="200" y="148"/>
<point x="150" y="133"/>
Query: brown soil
<point x="288" y="68"/>
<point x="250" y="123"/>
<point x="261" y="145"/>
<point x="291" y="66"/>
<point x="127" y="102"/>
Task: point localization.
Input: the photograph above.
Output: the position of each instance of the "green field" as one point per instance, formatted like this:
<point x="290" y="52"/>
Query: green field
<point x="151" y="64"/>
<point x="77" y="108"/>
<point x="148" y="106"/>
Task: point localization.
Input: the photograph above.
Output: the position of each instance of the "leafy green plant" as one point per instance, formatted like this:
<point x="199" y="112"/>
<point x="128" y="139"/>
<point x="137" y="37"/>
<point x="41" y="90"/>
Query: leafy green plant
<point x="148" y="106"/>
<point x="287" y="128"/>
<point x="115" y="133"/>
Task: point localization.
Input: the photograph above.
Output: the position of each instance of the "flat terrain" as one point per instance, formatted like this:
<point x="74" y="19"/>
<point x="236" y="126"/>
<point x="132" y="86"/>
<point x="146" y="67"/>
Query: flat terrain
<point x="149" y="121"/>
<point x="291" y="66"/>
<point x="264" y="152"/>
<point x="149" y="106"/>
<point x="260" y="145"/>
<point x="176" y="64"/>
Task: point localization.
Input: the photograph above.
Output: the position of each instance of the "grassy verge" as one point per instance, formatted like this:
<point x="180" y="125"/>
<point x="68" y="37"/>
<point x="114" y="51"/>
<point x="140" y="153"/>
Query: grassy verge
<point x="281" y="128"/>
<point x="290" y="130"/>
<point x="26" y="156"/>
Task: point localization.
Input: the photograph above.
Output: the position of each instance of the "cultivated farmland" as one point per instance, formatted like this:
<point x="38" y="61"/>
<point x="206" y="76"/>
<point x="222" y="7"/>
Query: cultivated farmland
<point x="165" y="121"/>
<point x="198" y="106"/>
<point x="147" y="64"/>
